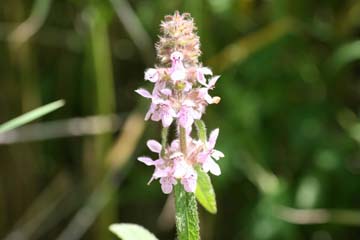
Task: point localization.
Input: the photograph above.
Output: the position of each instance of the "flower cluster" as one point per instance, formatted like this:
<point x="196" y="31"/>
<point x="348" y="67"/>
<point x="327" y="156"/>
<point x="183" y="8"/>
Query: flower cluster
<point x="180" y="95"/>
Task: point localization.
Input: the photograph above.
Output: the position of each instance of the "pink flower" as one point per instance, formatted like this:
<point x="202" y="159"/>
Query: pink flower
<point x="152" y="75"/>
<point x="212" y="82"/>
<point x="180" y="94"/>
<point x="160" y="170"/>
<point x="201" y="72"/>
<point x="204" y="94"/>
<point x="167" y="184"/>
<point x="206" y="157"/>
<point x="187" y="114"/>
<point x="189" y="181"/>
<point x="163" y="111"/>
<point x="143" y="92"/>
<point x="160" y="109"/>
<point x="177" y="71"/>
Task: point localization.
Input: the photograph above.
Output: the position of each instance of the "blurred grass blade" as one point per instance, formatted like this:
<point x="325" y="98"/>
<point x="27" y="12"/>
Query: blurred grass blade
<point x="129" y="231"/>
<point x="245" y="46"/>
<point x="32" y="25"/>
<point x="30" y="116"/>
<point x="205" y="193"/>
<point x="134" y="27"/>
<point x="345" y="54"/>
<point x="187" y="219"/>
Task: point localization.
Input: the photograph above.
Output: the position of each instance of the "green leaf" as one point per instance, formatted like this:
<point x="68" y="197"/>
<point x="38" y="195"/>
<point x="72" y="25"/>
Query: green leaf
<point x="187" y="219"/>
<point x="129" y="231"/>
<point x="30" y="116"/>
<point x="201" y="130"/>
<point x="164" y="135"/>
<point x="205" y="193"/>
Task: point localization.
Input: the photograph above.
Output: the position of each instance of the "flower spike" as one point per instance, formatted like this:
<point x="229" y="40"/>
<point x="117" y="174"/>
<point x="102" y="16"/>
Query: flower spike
<point x="180" y="95"/>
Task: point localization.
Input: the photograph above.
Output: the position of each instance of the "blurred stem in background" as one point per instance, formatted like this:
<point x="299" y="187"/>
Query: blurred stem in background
<point x="24" y="69"/>
<point x="105" y="103"/>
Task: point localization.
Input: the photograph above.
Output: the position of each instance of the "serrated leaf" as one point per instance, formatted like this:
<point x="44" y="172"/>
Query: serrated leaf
<point x="30" y="116"/>
<point x="187" y="219"/>
<point x="205" y="193"/>
<point x="130" y="231"/>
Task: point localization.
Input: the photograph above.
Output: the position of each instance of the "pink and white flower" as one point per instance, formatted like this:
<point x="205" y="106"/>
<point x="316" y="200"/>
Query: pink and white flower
<point x="207" y="156"/>
<point x="181" y="95"/>
<point x="177" y="71"/>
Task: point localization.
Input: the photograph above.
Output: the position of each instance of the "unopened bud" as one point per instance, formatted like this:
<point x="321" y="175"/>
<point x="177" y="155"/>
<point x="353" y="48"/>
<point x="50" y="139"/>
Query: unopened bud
<point x="216" y="99"/>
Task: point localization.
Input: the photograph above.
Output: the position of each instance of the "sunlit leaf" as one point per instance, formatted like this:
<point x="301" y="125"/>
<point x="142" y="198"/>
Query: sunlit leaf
<point x="205" y="193"/>
<point x="129" y="231"/>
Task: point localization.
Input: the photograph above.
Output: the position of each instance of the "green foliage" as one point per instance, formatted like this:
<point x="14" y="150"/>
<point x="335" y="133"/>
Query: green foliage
<point x="129" y="231"/>
<point x="288" y="116"/>
<point x="201" y="130"/>
<point x="205" y="193"/>
<point x="187" y="219"/>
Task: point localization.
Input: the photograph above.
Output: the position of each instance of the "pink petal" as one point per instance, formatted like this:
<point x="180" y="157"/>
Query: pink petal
<point x="183" y="120"/>
<point x="152" y="75"/>
<point x="181" y="169"/>
<point x="156" y="116"/>
<point x="167" y="120"/>
<point x="167" y="184"/>
<point x="176" y="154"/>
<point x="202" y="157"/>
<point x="172" y="113"/>
<point x="148" y="161"/>
<point x="166" y="91"/>
<point x="178" y="75"/>
<point x="213" y="81"/>
<point x="205" y="71"/>
<point x="212" y="139"/>
<point x="212" y="166"/>
<point x="201" y="79"/>
<point x="208" y="98"/>
<point x="154" y="146"/>
<point x="149" y="112"/>
<point x="189" y="103"/>
<point x="160" y="172"/>
<point x="166" y="188"/>
<point x="196" y="114"/>
<point x="189" y="184"/>
<point x="176" y="56"/>
<point x="217" y="154"/>
<point x="175" y="145"/>
<point x="143" y="93"/>
<point x="157" y="100"/>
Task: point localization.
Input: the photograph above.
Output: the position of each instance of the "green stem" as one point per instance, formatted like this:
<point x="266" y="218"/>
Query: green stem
<point x="164" y="135"/>
<point x="201" y="130"/>
<point x="182" y="136"/>
<point x="187" y="218"/>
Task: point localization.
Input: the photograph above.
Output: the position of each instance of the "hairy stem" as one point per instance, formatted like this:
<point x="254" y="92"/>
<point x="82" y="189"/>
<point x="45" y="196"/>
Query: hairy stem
<point x="182" y="137"/>
<point x="201" y="130"/>
<point x="187" y="217"/>
<point x="164" y="135"/>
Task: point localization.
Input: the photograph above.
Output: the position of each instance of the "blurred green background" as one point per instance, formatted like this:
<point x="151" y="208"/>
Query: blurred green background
<point x="289" y="117"/>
